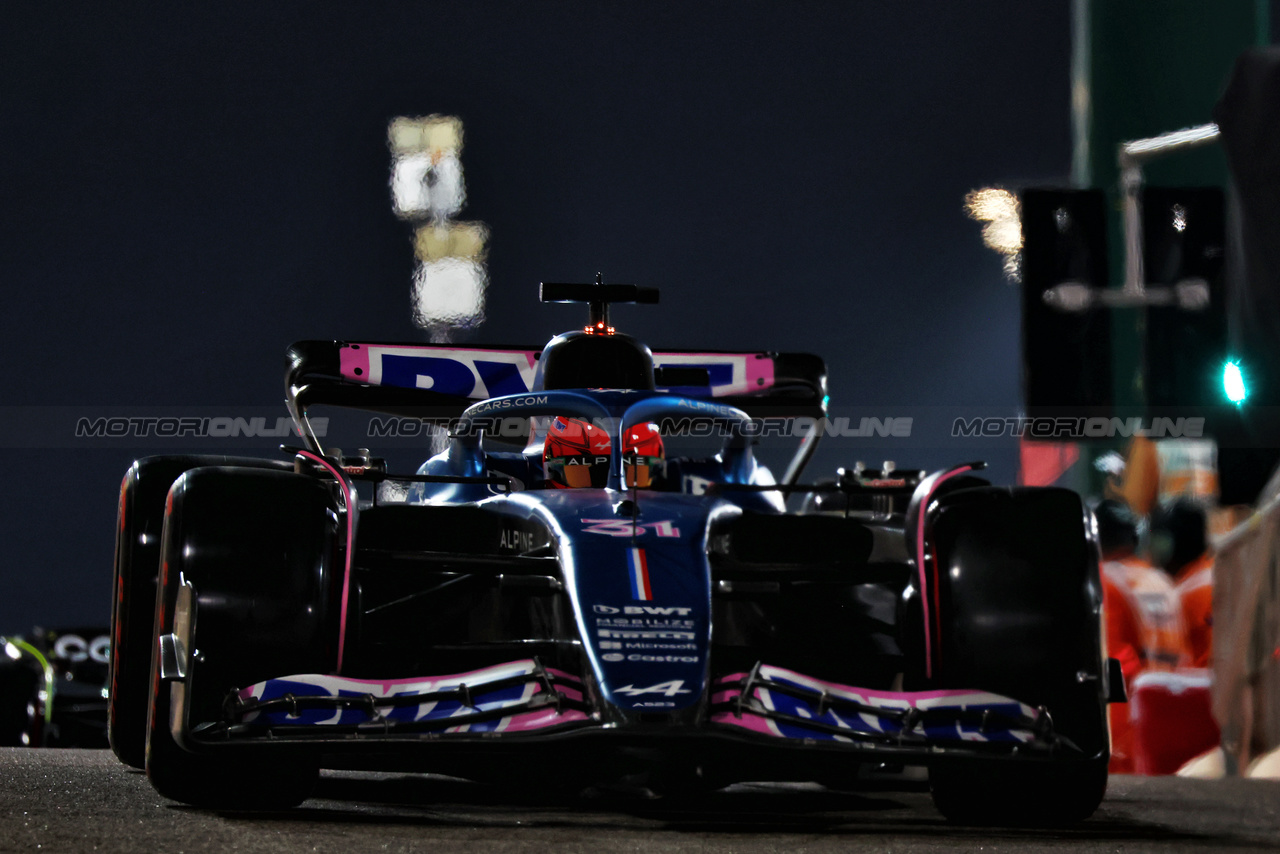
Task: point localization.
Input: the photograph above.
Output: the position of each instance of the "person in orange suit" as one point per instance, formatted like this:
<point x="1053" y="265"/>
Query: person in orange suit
<point x="1179" y="544"/>
<point x="1144" y="628"/>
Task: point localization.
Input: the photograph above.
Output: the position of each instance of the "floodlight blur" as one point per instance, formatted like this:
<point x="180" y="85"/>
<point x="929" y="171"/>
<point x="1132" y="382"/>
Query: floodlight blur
<point x="426" y="166"/>
<point x="992" y="203"/>
<point x="452" y="240"/>
<point x="408" y="135"/>
<point x="449" y="294"/>
<point x="423" y="185"/>
<point x="1003" y="235"/>
<point x="428" y="189"/>
<point x="1002" y="213"/>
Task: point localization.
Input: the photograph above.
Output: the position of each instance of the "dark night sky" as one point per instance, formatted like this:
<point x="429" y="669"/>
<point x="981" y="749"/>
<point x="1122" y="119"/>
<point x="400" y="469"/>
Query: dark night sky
<point x="186" y="191"/>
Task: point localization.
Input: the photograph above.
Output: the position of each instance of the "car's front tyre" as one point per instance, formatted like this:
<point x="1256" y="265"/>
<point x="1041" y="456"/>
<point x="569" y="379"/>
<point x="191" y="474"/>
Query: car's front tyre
<point x="1019" y="793"/>
<point x="1016" y="613"/>
<point x="257" y="554"/>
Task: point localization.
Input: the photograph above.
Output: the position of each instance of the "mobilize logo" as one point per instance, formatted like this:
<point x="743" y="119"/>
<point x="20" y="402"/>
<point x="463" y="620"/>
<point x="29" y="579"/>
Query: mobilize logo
<point x="666" y="689"/>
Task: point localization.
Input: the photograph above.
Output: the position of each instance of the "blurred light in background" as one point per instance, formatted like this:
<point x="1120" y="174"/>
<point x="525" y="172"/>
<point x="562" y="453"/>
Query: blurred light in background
<point x="451" y="240"/>
<point x="427" y="188"/>
<point x="426" y="167"/>
<point x="1002" y="214"/>
<point x="448" y="295"/>
<point x="1233" y="383"/>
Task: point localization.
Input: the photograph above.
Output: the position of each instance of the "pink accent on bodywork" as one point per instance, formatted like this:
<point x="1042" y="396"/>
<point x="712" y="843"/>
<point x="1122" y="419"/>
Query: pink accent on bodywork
<point x="753" y="720"/>
<point x="912" y="698"/>
<point x="569" y="693"/>
<point x="540" y="719"/>
<point x="351" y="548"/>
<point x="477" y="680"/>
<point x="757" y="369"/>
<point x="353" y="362"/>
<point x="924" y="598"/>
<point x="759" y="373"/>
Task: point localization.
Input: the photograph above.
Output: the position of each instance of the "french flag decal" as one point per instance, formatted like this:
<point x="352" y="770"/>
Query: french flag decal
<point x="638" y="569"/>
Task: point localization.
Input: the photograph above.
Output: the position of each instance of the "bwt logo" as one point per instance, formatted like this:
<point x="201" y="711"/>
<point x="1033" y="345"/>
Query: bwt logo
<point x="467" y="373"/>
<point x="644" y="610"/>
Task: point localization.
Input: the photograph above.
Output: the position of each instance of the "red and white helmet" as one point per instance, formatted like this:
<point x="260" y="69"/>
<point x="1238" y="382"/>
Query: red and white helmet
<point x="642" y="452"/>
<point x="576" y="454"/>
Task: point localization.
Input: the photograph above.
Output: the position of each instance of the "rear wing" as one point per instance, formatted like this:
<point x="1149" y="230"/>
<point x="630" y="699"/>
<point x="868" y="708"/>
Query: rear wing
<point x="439" y="381"/>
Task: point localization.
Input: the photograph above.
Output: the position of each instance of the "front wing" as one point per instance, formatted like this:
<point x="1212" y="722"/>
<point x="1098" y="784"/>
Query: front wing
<point x="523" y="700"/>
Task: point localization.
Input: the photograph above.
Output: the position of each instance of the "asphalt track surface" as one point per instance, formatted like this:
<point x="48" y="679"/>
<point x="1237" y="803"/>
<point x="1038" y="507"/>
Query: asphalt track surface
<point x="71" y="801"/>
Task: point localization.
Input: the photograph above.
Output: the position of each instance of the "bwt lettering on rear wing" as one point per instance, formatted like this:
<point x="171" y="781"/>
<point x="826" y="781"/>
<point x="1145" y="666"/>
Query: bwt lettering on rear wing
<point x="398" y="378"/>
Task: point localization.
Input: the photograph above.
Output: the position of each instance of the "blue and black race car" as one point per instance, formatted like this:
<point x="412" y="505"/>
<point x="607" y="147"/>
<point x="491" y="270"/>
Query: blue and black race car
<point x="558" y="596"/>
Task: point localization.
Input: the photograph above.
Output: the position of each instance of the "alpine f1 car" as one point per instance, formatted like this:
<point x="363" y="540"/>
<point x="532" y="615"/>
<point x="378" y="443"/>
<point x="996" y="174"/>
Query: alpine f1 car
<point x="555" y="597"/>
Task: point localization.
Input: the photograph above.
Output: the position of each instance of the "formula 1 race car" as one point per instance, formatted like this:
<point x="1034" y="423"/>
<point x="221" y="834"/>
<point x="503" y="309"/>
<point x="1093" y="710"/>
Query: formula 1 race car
<point x="556" y="596"/>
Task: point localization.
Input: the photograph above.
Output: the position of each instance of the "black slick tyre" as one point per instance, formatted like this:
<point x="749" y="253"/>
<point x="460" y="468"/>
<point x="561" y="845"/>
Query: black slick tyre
<point x="258" y="550"/>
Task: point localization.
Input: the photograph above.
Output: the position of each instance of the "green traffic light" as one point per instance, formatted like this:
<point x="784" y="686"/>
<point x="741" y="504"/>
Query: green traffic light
<point x="1233" y="383"/>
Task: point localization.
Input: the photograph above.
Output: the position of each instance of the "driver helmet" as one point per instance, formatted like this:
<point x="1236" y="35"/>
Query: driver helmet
<point x="642" y="452"/>
<point x="576" y="454"/>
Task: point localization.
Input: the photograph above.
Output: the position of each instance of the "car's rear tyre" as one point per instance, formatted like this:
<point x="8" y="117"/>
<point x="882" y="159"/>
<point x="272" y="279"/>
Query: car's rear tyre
<point x="260" y="552"/>
<point x="1016" y="612"/>
<point x="140" y="518"/>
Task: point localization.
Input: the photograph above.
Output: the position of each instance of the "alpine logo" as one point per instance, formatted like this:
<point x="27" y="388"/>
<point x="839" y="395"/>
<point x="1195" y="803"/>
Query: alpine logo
<point x="666" y="689"/>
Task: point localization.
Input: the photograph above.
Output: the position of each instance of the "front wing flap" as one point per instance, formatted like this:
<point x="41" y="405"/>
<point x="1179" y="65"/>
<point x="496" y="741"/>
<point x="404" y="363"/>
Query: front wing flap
<point x="783" y="704"/>
<point x="519" y="696"/>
